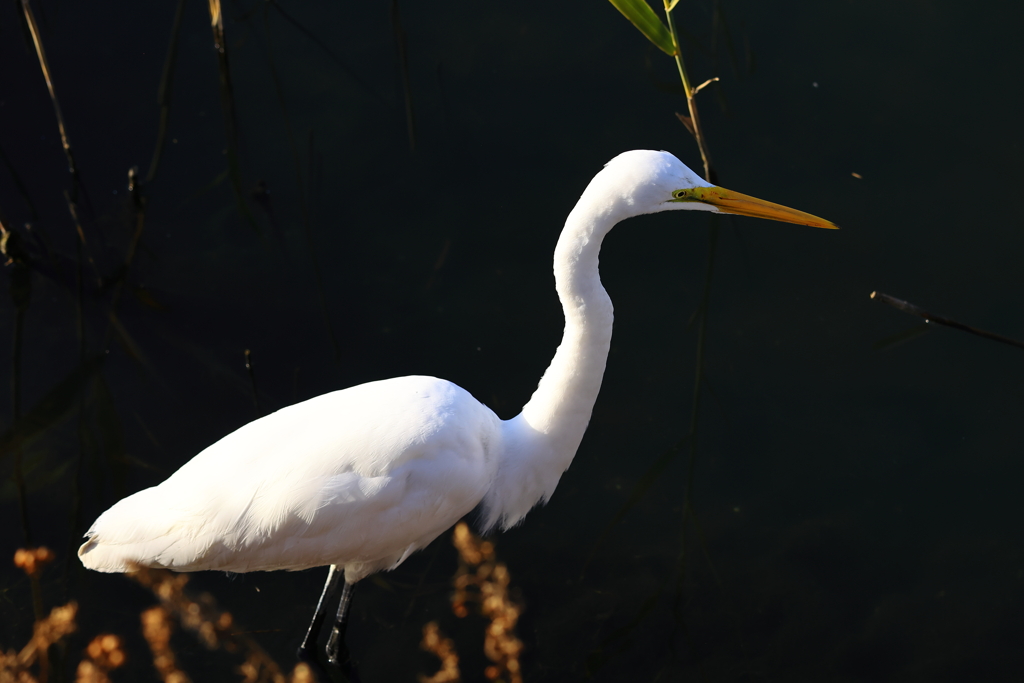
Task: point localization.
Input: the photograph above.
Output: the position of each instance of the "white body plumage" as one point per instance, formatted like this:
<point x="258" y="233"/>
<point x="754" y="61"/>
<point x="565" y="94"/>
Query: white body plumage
<point x="363" y="477"/>
<point x="313" y="484"/>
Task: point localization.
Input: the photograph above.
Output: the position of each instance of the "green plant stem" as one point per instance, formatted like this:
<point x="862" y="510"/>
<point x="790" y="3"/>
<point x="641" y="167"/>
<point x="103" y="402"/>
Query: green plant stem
<point x="691" y="103"/>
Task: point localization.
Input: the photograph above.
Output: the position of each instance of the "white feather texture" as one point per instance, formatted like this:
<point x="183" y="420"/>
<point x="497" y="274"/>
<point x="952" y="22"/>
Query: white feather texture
<point x="313" y="484"/>
<point x="363" y="477"/>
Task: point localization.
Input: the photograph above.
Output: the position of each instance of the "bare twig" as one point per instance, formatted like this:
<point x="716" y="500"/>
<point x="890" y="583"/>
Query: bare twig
<point x="705" y="84"/>
<point x="33" y="28"/>
<point x="139" y="206"/>
<point x="227" y="99"/>
<point x="44" y="65"/>
<point x="920" y="312"/>
<point x="163" y="96"/>
<point x="82" y="244"/>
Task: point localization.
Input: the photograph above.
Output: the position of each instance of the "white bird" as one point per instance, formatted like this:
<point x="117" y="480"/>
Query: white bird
<point x="361" y="478"/>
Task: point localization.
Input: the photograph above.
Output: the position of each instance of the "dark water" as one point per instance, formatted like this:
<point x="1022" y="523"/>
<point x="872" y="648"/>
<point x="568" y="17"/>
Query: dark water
<point x="857" y="503"/>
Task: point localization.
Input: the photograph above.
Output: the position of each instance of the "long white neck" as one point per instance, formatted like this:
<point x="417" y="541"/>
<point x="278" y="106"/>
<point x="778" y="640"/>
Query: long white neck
<point x="560" y="408"/>
<point x="540" y="442"/>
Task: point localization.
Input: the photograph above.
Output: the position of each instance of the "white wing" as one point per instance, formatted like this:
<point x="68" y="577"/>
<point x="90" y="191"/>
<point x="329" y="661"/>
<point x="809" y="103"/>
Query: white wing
<point x="360" y="478"/>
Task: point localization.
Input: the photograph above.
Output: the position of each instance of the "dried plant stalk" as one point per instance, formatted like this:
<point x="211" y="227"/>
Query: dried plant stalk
<point x="32" y="560"/>
<point x="212" y="626"/>
<point x="44" y="64"/>
<point x="302" y="673"/>
<point x="16" y="666"/>
<point x="103" y="655"/>
<point x="156" y="629"/>
<point x="482" y="579"/>
<point x="444" y="649"/>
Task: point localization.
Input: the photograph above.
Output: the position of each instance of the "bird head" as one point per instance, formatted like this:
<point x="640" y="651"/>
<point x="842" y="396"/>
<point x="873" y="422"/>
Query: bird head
<point x="645" y="181"/>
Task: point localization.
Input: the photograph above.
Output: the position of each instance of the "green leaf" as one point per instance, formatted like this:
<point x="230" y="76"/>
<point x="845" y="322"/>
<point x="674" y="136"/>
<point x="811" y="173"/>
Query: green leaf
<point x="644" y="18"/>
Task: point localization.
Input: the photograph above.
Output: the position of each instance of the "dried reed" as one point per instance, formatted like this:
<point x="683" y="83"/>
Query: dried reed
<point x="156" y="629"/>
<point x="480" y="578"/>
<point x="32" y="560"/>
<point x="212" y="626"/>
<point x="15" y="667"/>
<point x="103" y="655"/>
<point x="444" y="649"/>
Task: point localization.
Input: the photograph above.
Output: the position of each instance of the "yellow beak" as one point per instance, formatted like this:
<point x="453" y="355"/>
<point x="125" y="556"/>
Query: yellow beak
<point x="727" y="201"/>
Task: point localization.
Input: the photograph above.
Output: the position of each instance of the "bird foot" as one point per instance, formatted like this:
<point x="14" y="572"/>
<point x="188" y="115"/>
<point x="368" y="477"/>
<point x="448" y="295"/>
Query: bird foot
<point x="306" y="654"/>
<point x="337" y="657"/>
<point x="337" y="653"/>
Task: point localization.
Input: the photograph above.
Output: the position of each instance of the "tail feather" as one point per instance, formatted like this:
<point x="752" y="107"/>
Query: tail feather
<point x="103" y="557"/>
<point x="133" y="533"/>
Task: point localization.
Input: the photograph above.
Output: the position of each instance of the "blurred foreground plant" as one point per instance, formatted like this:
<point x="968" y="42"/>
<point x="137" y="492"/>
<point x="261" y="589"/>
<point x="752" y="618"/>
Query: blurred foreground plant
<point x="482" y="579"/>
<point x="18" y="666"/>
<point x="156" y="629"/>
<point x="32" y="664"/>
<point x="103" y="654"/>
<point x="485" y="581"/>
<point x="212" y="627"/>
<point x="444" y="649"/>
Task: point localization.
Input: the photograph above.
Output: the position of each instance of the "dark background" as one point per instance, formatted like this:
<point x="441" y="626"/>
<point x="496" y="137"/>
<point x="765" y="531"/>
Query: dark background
<point x="856" y="481"/>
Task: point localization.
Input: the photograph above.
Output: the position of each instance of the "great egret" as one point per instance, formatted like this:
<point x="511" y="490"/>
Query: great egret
<point x="361" y="478"/>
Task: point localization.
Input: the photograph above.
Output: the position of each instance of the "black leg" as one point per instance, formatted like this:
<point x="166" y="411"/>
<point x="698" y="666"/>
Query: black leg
<point x="307" y="651"/>
<point x="337" y="653"/>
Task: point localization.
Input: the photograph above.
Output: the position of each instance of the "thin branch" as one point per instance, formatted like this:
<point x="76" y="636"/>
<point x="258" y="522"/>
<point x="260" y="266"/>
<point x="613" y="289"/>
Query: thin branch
<point x="37" y="40"/>
<point x="323" y="46"/>
<point x="928" y="317"/>
<point x="705" y="84"/>
<point x="139" y="208"/>
<point x="228" y="106"/>
<point x="163" y="96"/>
